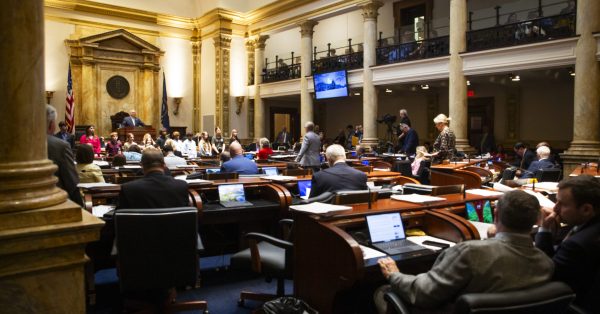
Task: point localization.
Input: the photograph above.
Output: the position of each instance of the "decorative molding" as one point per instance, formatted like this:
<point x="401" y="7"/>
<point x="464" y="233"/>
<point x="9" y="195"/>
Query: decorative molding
<point x="250" y="116"/>
<point x="306" y="28"/>
<point x="412" y="71"/>
<point x="222" y="58"/>
<point x="196" y="79"/>
<point x="250" y="47"/>
<point x="370" y="10"/>
<point x="261" y="41"/>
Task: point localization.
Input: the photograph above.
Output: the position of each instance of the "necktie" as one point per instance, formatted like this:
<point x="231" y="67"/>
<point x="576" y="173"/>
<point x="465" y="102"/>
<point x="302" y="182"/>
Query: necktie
<point x="133" y="121"/>
<point x="284" y="136"/>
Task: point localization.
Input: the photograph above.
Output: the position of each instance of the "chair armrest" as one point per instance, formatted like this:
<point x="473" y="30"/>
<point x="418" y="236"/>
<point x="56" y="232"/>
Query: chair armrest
<point x="269" y="239"/>
<point x="326" y="197"/>
<point x="394" y="301"/>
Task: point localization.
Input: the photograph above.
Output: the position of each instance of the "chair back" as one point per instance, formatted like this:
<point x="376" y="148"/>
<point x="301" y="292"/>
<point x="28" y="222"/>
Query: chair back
<point x="222" y="176"/>
<point x="354" y="197"/>
<point x="157" y="248"/>
<point x="552" y="297"/>
<point x="448" y="189"/>
<point x="297" y="172"/>
<point x="404" y="167"/>
<point x="548" y="175"/>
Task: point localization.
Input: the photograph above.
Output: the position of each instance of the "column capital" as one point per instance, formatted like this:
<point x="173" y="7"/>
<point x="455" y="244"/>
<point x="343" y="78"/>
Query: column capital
<point x="306" y="27"/>
<point x="369" y="9"/>
<point x="222" y="41"/>
<point x="261" y="41"/>
<point x="250" y="44"/>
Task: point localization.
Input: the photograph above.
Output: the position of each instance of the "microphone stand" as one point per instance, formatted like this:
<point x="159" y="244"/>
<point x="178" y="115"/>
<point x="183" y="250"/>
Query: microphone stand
<point x="369" y="197"/>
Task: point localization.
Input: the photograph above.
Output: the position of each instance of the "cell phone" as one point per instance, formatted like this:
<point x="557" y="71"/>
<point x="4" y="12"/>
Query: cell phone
<point x="437" y="244"/>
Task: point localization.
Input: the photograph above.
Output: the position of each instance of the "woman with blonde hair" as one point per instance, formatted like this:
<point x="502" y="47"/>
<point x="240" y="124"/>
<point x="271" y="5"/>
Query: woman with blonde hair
<point x="444" y="146"/>
<point x="421" y="155"/>
<point x="129" y="142"/>
<point x="147" y="141"/>
<point x="204" y="146"/>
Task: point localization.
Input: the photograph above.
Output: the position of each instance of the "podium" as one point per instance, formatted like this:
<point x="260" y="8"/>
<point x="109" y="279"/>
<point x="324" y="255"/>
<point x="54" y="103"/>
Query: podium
<point x="137" y="131"/>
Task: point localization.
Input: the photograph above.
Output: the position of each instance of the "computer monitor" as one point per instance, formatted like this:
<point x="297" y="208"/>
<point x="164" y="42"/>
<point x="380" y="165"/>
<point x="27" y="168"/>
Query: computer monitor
<point x="270" y="171"/>
<point x="304" y="187"/>
<point x="365" y="162"/>
<point x="353" y="153"/>
<point x="249" y="156"/>
<point x="213" y="170"/>
<point x="231" y="193"/>
<point x="480" y="211"/>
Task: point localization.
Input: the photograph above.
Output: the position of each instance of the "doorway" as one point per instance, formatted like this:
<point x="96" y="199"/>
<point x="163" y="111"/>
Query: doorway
<point x="284" y="117"/>
<point x="481" y="121"/>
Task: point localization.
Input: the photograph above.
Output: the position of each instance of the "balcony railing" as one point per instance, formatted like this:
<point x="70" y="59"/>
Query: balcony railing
<point x="416" y="50"/>
<point x="520" y="33"/>
<point x="327" y="60"/>
<point x="280" y="70"/>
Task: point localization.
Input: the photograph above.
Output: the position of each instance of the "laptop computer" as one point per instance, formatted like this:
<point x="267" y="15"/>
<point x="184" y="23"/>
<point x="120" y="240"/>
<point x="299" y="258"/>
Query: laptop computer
<point x="304" y="187"/>
<point x="232" y="195"/>
<point x="365" y="162"/>
<point x="479" y="211"/>
<point x="387" y="234"/>
<point x="249" y="156"/>
<point x="213" y="170"/>
<point x="270" y="171"/>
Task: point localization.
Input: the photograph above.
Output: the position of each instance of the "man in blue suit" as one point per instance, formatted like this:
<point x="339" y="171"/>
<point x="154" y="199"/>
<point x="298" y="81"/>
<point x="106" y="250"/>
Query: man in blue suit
<point x="543" y="153"/>
<point x="411" y="139"/>
<point x="132" y="120"/>
<point x="238" y="162"/>
<point x="339" y="176"/>
<point x="577" y="257"/>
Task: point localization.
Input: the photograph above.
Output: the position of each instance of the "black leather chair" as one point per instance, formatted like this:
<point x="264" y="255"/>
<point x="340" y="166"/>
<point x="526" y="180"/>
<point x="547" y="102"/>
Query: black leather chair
<point x="552" y="297"/>
<point x="297" y="172"/>
<point x="548" y="175"/>
<point x="156" y="252"/>
<point x="269" y="256"/>
<point x="355" y="197"/>
<point x="222" y="176"/>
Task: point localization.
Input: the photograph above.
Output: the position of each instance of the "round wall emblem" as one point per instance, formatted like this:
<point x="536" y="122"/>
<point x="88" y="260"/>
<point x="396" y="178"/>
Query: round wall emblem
<point x="117" y="87"/>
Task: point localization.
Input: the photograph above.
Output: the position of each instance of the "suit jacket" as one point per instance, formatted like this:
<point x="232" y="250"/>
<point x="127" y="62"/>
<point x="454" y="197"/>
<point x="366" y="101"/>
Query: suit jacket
<point x="577" y="261"/>
<point x="340" y="177"/>
<point x="310" y="152"/>
<point x="69" y="138"/>
<point x="507" y="262"/>
<point x="411" y="141"/>
<point x="280" y="138"/>
<point x="61" y="154"/>
<point x="525" y="161"/>
<point x="154" y="190"/>
<point x="128" y="121"/>
<point x="240" y="165"/>
<point x="537" y="165"/>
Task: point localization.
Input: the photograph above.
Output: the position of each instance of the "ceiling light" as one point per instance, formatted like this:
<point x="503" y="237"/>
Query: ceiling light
<point x="514" y="78"/>
<point x="468" y="83"/>
<point x="424" y="86"/>
<point x="357" y="94"/>
<point x="387" y="90"/>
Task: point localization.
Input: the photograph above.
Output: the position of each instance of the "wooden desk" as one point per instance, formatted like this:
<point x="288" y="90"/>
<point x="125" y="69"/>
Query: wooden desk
<point x="457" y="165"/>
<point x="138" y="133"/>
<point x="591" y="169"/>
<point x="328" y="262"/>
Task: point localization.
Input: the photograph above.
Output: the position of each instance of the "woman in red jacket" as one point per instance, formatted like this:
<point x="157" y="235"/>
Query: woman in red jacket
<point x="265" y="150"/>
<point x="91" y="139"/>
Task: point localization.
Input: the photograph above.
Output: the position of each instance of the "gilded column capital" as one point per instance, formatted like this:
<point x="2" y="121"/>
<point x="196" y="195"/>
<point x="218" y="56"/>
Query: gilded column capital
<point x="306" y="27"/>
<point x="222" y="41"/>
<point x="369" y="9"/>
<point x="250" y="44"/>
<point x="261" y="41"/>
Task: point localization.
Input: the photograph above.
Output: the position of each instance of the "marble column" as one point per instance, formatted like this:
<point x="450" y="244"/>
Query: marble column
<point x="259" y="107"/>
<point x="306" y="99"/>
<point x="458" y="105"/>
<point x="222" y="54"/>
<point x="42" y="234"/>
<point x="196" y="64"/>
<point x="586" y="112"/>
<point x="369" y="13"/>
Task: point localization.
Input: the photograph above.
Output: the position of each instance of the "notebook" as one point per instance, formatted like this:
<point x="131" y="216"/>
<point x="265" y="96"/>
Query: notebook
<point x="304" y="187"/>
<point x="387" y="234"/>
<point x="270" y="171"/>
<point x="232" y="195"/>
<point x="213" y="170"/>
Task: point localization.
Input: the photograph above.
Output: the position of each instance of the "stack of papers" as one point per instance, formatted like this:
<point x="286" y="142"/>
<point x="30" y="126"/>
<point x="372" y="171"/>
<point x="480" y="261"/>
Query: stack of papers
<point x="550" y="186"/>
<point x="502" y="188"/>
<point x="369" y="253"/>
<point x="280" y="178"/>
<point x="100" y="210"/>
<point x="544" y="201"/>
<point x="417" y="198"/>
<point x="94" y="185"/>
<point x="183" y="178"/>
<point x="420" y="239"/>
<point x="483" y="192"/>
<point x="100" y="163"/>
<point x="132" y="167"/>
<point x="319" y="208"/>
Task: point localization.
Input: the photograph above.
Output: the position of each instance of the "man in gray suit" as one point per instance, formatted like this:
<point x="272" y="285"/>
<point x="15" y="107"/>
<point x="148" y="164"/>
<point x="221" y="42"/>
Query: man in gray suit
<point x="61" y="154"/>
<point x="509" y="261"/>
<point x="310" y="152"/>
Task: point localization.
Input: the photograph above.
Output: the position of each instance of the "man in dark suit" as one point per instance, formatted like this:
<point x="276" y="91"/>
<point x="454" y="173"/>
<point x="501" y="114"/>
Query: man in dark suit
<point x="283" y="138"/>
<point x="524" y="156"/>
<point x="339" y="176"/>
<point x="238" y="162"/>
<point x="577" y="257"/>
<point x="155" y="189"/>
<point x="411" y="139"/>
<point x="64" y="135"/>
<point x="61" y="154"/>
<point x="132" y="120"/>
<point x="543" y="153"/>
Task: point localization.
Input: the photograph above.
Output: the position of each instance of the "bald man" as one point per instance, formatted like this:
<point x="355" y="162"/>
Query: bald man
<point x="238" y="163"/>
<point x="132" y="120"/>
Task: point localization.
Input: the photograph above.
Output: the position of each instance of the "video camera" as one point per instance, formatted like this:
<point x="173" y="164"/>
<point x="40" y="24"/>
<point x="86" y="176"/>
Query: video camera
<point x="387" y="119"/>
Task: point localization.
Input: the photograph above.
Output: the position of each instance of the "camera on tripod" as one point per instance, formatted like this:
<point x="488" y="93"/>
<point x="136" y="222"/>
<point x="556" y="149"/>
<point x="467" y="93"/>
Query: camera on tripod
<point x="387" y="119"/>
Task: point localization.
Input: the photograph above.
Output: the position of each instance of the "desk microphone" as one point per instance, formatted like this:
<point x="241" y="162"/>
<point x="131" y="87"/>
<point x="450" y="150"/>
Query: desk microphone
<point x="369" y="197"/>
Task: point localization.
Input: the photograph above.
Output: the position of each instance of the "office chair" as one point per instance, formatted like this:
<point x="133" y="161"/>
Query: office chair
<point x="448" y="189"/>
<point x="157" y="251"/>
<point x="548" y="175"/>
<point x="551" y="297"/>
<point x="269" y="256"/>
<point x="222" y="176"/>
<point x="297" y="172"/>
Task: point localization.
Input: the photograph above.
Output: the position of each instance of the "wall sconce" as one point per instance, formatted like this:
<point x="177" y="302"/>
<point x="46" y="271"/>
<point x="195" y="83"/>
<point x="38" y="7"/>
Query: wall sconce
<point x="177" y="101"/>
<point x="49" y="95"/>
<point x="239" y="101"/>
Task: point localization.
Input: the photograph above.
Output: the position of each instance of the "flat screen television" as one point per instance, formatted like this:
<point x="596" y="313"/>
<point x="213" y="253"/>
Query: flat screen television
<point x="331" y="84"/>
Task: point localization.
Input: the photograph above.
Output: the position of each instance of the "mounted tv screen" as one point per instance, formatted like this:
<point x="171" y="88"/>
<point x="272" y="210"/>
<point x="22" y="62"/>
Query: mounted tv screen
<point x="331" y="84"/>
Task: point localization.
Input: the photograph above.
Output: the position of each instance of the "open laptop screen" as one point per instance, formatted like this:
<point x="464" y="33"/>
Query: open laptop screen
<point x="385" y="227"/>
<point x="213" y="170"/>
<point x="270" y="171"/>
<point x="479" y="211"/>
<point x="304" y="187"/>
<point x="231" y="193"/>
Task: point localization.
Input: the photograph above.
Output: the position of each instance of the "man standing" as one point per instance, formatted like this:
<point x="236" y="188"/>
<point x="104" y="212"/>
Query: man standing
<point x="61" y="154"/>
<point x="411" y="140"/>
<point x="473" y="266"/>
<point x="283" y="138"/>
<point x="64" y="135"/>
<point x="310" y="152"/>
<point x="577" y="257"/>
<point x="132" y="120"/>
<point x="238" y="162"/>
<point x="339" y="176"/>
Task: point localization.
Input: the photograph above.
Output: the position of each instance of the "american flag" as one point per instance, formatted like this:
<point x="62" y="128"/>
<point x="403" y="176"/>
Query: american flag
<point x="69" y="117"/>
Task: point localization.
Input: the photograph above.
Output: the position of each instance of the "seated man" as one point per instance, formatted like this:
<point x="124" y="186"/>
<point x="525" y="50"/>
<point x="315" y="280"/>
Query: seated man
<point x="524" y="156"/>
<point x="577" y="257"/>
<point x="155" y="189"/>
<point x="339" y="176"/>
<point x="238" y="162"/>
<point x="543" y="153"/>
<point x="134" y="153"/>
<point x="171" y="160"/>
<point x="504" y="263"/>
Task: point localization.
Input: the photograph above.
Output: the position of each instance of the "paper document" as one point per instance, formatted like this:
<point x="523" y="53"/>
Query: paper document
<point x="502" y="188"/>
<point x="550" y="186"/>
<point x="100" y="163"/>
<point x="183" y="178"/>
<point x="319" y="208"/>
<point x="381" y="169"/>
<point x="544" y="201"/>
<point x="94" y="185"/>
<point x="369" y="253"/>
<point x="420" y="239"/>
<point x="132" y="167"/>
<point x="417" y="198"/>
<point x="279" y="178"/>
<point x="484" y="192"/>
<point x="100" y="210"/>
<point x="482" y="228"/>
